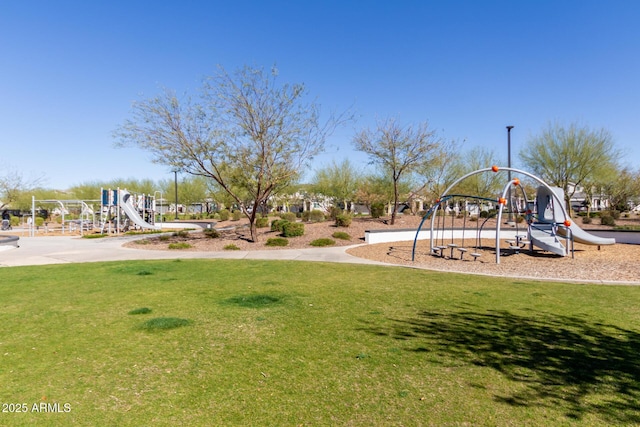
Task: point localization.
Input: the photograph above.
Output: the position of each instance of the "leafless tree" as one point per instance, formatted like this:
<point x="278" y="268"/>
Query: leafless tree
<point x="397" y="149"/>
<point x="249" y="134"/>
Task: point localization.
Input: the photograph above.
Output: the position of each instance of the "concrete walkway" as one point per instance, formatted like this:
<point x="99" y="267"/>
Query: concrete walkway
<point x="70" y="249"/>
<point x="74" y="249"/>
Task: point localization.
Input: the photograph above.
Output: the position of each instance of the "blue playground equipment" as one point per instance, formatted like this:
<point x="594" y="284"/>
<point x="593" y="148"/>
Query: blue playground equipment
<point x="122" y="210"/>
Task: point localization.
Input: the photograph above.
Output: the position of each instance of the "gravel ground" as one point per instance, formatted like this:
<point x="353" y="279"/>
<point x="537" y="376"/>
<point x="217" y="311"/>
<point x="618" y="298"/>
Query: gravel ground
<point x="607" y="264"/>
<point x="610" y="264"/>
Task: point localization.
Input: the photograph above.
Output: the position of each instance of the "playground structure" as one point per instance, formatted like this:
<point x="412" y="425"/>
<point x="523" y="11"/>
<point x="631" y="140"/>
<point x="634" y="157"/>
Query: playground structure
<point x="122" y="210"/>
<point x="86" y="214"/>
<point x="548" y="225"/>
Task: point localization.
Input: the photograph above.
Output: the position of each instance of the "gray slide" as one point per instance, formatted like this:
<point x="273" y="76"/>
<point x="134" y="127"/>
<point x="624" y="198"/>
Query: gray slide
<point x="132" y="212"/>
<point x="581" y="236"/>
<point x="546" y="201"/>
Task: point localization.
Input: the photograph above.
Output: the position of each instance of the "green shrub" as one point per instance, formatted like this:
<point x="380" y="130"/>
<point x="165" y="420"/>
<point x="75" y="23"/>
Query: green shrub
<point x="39" y="221"/>
<point x="586" y="220"/>
<point x="614" y="214"/>
<point x="323" y="242"/>
<point x="488" y="214"/>
<point x="236" y="215"/>
<point x="316" y="215"/>
<point x="343" y="220"/>
<point x="278" y="224"/>
<point x="181" y="245"/>
<point x="231" y="247"/>
<point x="212" y="233"/>
<point x="341" y="235"/>
<point x="164" y="238"/>
<point x="334" y="212"/>
<point x="224" y="215"/>
<point x="293" y="229"/>
<point x="277" y="241"/>
<point x="262" y="222"/>
<point x="377" y="210"/>
<point x="607" y="220"/>
<point x="181" y="233"/>
<point x="288" y="216"/>
<point x="14" y="221"/>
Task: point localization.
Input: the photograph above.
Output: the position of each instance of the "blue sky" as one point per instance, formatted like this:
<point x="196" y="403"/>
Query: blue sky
<point x="69" y="70"/>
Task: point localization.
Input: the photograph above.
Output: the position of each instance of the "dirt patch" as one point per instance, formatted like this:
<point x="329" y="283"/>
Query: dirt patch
<point x="237" y="233"/>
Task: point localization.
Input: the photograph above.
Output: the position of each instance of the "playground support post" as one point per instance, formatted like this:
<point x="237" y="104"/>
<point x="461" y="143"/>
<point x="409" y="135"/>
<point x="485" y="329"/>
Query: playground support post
<point x="175" y="184"/>
<point x="510" y="205"/>
<point x="154" y="205"/>
<point x="32" y="231"/>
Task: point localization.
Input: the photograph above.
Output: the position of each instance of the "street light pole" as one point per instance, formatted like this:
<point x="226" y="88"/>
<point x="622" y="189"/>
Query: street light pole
<point x="510" y="218"/>
<point x="175" y="184"/>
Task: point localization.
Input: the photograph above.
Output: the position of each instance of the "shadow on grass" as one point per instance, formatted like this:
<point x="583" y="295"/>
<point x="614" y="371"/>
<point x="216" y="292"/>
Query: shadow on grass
<point x="564" y="362"/>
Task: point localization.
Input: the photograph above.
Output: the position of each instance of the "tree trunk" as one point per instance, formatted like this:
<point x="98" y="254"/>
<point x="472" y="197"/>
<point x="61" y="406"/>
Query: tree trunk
<point x="568" y="204"/>
<point x="395" y="202"/>
<point x="254" y="230"/>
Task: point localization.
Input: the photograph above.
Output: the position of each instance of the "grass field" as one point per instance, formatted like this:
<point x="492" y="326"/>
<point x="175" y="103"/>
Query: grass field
<point x="260" y="343"/>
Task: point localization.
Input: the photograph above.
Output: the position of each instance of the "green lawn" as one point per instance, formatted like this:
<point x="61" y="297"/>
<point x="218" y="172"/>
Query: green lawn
<point x="260" y="343"/>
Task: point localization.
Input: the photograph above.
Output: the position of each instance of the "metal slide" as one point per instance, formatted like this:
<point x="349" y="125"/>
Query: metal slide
<point x="132" y="212"/>
<point x="581" y="236"/>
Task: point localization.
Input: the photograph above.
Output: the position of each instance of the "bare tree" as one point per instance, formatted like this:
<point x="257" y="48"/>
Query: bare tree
<point x="13" y="185"/>
<point x="398" y="149"/>
<point x="246" y="132"/>
<point x="569" y="157"/>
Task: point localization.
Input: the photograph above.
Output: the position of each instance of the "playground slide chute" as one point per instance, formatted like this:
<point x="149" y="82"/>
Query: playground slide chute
<point x="131" y="211"/>
<point x="546" y="212"/>
<point x="581" y="236"/>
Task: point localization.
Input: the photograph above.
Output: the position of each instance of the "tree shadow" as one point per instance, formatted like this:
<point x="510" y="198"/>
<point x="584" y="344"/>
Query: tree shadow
<point x="563" y="361"/>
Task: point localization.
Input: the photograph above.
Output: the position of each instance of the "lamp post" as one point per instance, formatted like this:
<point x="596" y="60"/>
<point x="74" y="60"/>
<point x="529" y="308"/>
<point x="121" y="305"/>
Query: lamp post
<point x="510" y="218"/>
<point x="175" y="184"/>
